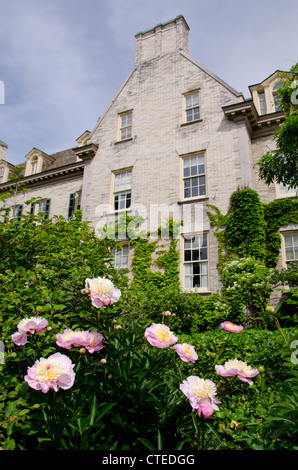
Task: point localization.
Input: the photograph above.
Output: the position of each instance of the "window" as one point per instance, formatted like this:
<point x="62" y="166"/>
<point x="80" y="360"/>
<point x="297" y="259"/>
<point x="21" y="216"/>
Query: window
<point x="285" y="191"/>
<point x="126" y="125"/>
<point x="17" y="212"/>
<point x="291" y="247"/>
<point x="1" y="174"/>
<point x="121" y="257"/>
<point x="196" y="262"/>
<point x="276" y="97"/>
<point x="42" y="208"/>
<point x="192" y="107"/>
<point x="262" y="100"/>
<point x="122" y="190"/>
<point x="33" y="166"/>
<point x="74" y="203"/>
<point x="194" y="177"/>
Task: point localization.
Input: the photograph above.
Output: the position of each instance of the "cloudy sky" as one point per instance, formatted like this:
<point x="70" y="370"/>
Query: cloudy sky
<point x="63" y="61"/>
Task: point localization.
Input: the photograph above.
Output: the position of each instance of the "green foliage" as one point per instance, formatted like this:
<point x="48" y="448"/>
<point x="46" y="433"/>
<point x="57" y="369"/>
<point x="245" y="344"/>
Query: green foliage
<point x="245" y="228"/>
<point x="131" y="400"/>
<point x="278" y="213"/>
<point x="246" y="287"/>
<point x="281" y="165"/>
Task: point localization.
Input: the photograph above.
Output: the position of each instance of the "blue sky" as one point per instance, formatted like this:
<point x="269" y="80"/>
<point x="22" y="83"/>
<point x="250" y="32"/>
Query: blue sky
<point x="63" y="61"/>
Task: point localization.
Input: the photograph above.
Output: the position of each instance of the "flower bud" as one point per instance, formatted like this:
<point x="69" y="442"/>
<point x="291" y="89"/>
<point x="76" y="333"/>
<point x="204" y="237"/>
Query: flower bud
<point x="82" y="351"/>
<point x="262" y="369"/>
<point x="269" y="309"/>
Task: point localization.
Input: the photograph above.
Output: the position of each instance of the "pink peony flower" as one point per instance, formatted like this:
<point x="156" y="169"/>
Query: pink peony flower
<point x="160" y="335"/>
<point x="92" y="341"/>
<point x="28" y="325"/>
<point x="102" y="292"/>
<point x="201" y="394"/>
<point x="186" y="352"/>
<point x="168" y="313"/>
<point x="236" y="367"/>
<point x="96" y="343"/>
<point x="70" y="338"/>
<point x="231" y="327"/>
<point x="53" y="372"/>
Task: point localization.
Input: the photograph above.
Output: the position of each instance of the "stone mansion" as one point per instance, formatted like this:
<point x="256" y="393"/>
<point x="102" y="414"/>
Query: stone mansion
<point x="174" y="138"/>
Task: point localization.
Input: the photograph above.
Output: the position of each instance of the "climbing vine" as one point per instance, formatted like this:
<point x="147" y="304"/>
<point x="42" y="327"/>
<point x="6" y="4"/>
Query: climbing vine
<point x="249" y="245"/>
<point x="250" y="227"/>
<point x="145" y="246"/>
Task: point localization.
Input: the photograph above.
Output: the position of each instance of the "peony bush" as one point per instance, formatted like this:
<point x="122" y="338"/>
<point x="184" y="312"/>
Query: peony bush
<point x="84" y="370"/>
<point x="152" y="370"/>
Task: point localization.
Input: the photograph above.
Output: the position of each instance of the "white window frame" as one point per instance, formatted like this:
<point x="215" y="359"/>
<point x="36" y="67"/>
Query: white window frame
<point x="283" y="191"/>
<point x="125" y="126"/>
<point x="16" y="212"/>
<point x="33" y="167"/>
<point x="262" y="102"/>
<point x="74" y="203"/>
<point x="192" y="107"/>
<point x="188" y="178"/>
<point x="122" y="194"/>
<point x="39" y="207"/>
<point x="192" y="243"/>
<point x="120" y="255"/>
<point x="294" y="245"/>
<point x="275" y="95"/>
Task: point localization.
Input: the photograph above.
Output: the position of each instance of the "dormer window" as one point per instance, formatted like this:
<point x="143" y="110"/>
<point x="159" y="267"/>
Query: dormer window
<point x="34" y="166"/>
<point x="276" y="97"/>
<point x="262" y="102"/>
<point x="35" y="161"/>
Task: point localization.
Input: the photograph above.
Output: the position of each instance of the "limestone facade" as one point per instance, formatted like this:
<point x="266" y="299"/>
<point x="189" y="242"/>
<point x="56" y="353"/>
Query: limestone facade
<point x="174" y="139"/>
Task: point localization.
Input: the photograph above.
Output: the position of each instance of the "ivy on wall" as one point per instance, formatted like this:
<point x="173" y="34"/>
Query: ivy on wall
<point x="145" y="247"/>
<point x="250" y="227"/>
<point x="249" y="246"/>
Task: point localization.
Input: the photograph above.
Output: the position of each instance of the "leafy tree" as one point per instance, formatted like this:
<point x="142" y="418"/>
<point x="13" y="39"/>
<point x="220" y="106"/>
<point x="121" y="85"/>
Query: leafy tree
<point x="281" y="165"/>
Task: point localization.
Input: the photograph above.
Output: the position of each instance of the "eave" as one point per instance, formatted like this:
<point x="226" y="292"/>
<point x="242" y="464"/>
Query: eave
<point x="72" y="170"/>
<point x="86" y="152"/>
<point x="257" y="126"/>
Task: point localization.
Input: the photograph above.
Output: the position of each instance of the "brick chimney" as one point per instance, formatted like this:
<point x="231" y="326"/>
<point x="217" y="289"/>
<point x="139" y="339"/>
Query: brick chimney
<point x="162" y="39"/>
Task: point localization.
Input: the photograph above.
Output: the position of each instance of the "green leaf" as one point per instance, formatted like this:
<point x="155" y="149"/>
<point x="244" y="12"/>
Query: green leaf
<point x="147" y="443"/>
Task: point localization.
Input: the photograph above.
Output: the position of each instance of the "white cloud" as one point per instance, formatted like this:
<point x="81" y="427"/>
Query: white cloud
<point x="62" y="61"/>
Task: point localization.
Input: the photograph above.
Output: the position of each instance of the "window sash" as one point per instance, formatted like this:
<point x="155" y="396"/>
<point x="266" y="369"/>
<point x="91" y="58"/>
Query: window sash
<point x="33" y="167"/>
<point x="194" y="177"/>
<point x="17" y="212"/>
<point x="262" y="100"/>
<point x="291" y="247"/>
<point x="196" y="262"/>
<point x="121" y="257"/>
<point x="192" y="107"/>
<point x="122" y="190"/>
<point x="74" y="203"/>
<point x="125" y="126"/>
<point x="122" y="200"/>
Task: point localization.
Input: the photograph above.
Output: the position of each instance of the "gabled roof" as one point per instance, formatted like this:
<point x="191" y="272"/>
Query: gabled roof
<point x="267" y="80"/>
<point x="211" y="74"/>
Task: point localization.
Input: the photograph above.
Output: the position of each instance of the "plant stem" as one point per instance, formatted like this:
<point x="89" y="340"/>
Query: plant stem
<point x="219" y="353"/>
